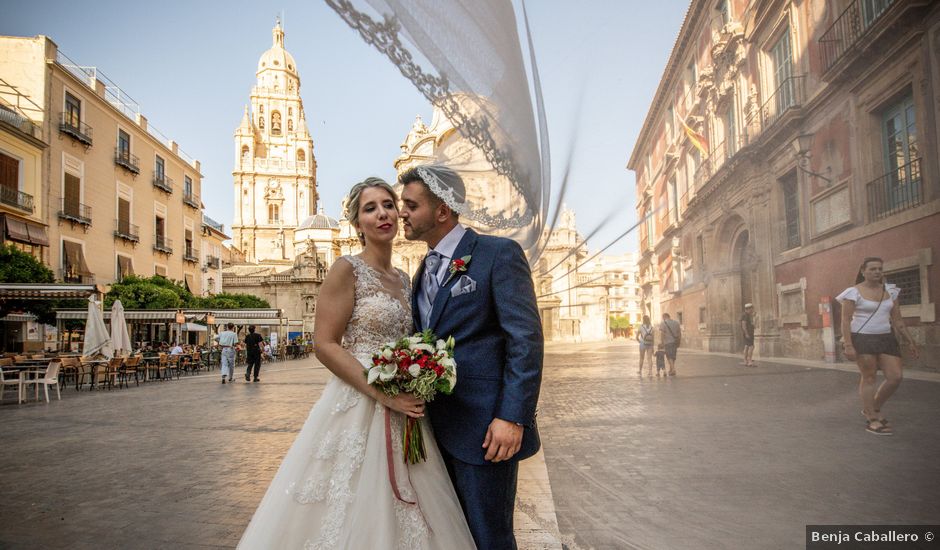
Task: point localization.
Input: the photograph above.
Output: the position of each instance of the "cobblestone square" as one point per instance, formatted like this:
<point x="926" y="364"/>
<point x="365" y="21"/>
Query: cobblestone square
<point x="718" y="457"/>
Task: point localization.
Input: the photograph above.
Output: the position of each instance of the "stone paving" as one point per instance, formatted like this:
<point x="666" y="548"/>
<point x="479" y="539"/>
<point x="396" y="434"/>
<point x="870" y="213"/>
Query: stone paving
<point x="174" y="464"/>
<point x="718" y="457"/>
<point x="727" y="457"/>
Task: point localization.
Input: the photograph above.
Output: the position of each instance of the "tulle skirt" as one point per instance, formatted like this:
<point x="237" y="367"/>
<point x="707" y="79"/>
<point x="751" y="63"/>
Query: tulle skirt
<point x="334" y="488"/>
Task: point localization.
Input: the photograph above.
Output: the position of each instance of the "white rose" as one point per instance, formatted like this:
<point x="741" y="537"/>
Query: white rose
<point x="448" y="363"/>
<point x="415" y="339"/>
<point x="387" y="354"/>
<point x="441" y="344"/>
<point x="387" y="372"/>
<point x="414" y="370"/>
<point x="422" y="347"/>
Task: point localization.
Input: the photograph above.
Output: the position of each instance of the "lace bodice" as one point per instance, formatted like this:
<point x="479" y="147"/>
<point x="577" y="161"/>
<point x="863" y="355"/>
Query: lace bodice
<point x="378" y="317"/>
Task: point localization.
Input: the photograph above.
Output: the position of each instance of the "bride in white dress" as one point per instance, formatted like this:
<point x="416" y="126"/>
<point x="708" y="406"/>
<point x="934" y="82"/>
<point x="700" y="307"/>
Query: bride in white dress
<point x="336" y="487"/>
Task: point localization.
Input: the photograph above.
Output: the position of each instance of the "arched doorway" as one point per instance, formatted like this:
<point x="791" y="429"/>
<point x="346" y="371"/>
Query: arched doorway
<point x="741" y="261"/>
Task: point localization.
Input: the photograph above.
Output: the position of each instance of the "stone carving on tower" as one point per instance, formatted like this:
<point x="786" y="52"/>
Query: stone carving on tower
<point x="275" y="169"/>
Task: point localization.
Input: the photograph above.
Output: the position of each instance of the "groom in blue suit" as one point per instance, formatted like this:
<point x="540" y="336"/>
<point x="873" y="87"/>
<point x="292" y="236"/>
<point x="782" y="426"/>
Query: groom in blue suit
<point x="478" y="289"/>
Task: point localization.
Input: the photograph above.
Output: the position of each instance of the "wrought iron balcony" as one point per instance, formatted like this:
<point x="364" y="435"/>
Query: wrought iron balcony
<point x="74" y="128"/>
<point x="162" y="244"/>
<point x="846" y="31"/>
<point x="212" y="262"/>
<point x="896" y="191"/>
<point x="16" y="199"/>
<point x="207" y="221"/>
<point x="191" y="199"/>
<point x="10" y="115"/>
<point x="163" y="182"/>
<point x="72" y="275"/>
<point x="127" y="231"/>
<point x="75" y="212"/>
<point x="126" y="160"/>
<point x="788" y="95"/>
<point x="189" y="254"/>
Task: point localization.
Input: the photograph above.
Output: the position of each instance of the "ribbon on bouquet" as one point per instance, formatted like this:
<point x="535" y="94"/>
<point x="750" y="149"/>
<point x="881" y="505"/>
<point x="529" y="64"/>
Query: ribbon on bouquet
<point x="390" y="460"/>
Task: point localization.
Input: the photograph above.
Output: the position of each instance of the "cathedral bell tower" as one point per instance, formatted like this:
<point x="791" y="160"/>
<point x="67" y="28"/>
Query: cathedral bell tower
<point x="275" y="170"/>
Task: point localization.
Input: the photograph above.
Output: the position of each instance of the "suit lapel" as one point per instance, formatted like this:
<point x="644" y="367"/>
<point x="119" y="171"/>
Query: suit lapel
<point x="415" y="290"/>
<point x="464" y="247"/>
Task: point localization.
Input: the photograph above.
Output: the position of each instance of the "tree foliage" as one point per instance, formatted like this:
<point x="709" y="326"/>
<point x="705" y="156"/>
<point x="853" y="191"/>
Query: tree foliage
<point x="17" y="266"/>
<point x="158" y="292"/>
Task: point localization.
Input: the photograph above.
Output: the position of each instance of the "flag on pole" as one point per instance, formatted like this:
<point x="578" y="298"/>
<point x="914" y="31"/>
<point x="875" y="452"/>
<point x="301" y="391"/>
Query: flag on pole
<point x="698" y="140"/>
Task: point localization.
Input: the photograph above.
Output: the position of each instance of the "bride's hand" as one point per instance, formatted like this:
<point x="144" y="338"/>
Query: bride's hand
<point x="405" y="403"/>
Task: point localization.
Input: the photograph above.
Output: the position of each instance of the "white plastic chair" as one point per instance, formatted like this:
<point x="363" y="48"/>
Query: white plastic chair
<point x="7" y="379"/>
<point x="50" y="377"/>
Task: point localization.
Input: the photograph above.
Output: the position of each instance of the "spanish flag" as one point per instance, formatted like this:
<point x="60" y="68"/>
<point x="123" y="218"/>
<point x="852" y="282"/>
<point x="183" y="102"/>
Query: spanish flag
<point x="698" y="140"/>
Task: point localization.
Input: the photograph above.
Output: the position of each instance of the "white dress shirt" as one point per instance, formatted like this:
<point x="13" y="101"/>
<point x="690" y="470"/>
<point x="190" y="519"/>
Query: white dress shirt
<point x="446" y="248"/>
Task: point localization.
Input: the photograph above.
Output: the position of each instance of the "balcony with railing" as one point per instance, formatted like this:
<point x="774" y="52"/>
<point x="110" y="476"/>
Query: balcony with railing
<point x="75" y="212"/>
<point x="16" y="198"/>
<point x="162" y="244"/>
<point x="896" y="191"/>
<point x="846" y="31"/>
<point x="213" y="262"/>
<point x="18" y="110"/>
<point x="127" y="231"/>
<point x="789" y="95"/>
<point x="75" y="129"/>
<point x="209" y="222"/>
<point x="126" y="160"/>
<point x="189" y="254"/>
<point x="191" y="199"/>
<point x="72" y="275"/>
<point x="279" y="165"/>
<point x="163" y="182"/>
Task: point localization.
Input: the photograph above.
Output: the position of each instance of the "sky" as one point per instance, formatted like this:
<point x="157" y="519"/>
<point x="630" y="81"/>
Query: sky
<point x="191" y="65"/>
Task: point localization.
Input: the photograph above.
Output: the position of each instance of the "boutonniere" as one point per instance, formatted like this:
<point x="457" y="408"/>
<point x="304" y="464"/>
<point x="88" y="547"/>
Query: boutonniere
<point x="458" y="265"/>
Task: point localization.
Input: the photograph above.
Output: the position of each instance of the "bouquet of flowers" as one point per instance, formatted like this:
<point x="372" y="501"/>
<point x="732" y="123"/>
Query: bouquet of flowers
<point x="421" y="365"/>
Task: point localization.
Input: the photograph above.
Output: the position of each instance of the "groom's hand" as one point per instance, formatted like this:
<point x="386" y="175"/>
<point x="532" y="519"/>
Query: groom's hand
<point x="503" y="440"/>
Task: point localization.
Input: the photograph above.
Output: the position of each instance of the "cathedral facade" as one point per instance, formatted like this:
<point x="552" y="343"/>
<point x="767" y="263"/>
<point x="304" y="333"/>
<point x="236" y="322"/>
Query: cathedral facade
<point x="275" y="169"/>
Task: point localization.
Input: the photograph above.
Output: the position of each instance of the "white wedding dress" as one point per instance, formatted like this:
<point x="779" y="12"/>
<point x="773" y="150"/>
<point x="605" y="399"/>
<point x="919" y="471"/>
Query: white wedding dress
<point x="333" y="489"/>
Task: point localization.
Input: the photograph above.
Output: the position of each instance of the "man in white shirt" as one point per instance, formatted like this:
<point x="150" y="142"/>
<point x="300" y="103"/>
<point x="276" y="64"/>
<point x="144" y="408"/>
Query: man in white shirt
<point x="176" y="349"/>
<point x="227" y="340"/>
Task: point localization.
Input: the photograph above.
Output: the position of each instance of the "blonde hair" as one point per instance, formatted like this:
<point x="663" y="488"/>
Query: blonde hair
<point x="352" y="204"/>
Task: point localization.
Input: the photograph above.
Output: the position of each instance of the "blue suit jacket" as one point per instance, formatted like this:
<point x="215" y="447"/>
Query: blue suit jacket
<point x="499" y="347"/>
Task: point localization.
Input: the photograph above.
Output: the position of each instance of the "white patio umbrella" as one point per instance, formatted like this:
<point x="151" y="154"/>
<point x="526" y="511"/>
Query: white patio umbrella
<point x="120" y="339"/>
<point x="96" y="333"/>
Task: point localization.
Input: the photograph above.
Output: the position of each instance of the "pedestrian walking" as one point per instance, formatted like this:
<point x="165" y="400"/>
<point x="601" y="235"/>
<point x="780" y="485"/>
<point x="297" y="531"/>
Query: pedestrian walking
<point x="227" y="340"/>
<point x="747" y="326"/>
<point x="253" y="342"/>
<point x="670" y="334"/>
<point x="660" y="360"/>
<point x="644" y="335"/>
<point x="871" y="323"/>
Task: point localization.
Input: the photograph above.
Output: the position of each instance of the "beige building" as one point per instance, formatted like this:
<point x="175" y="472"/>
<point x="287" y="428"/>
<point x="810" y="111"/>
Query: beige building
<point x="786" y="142"/>
<point x="118" y="196"/>
<point x="275" y="170"/>
<point x="210" y="258"/>
<point x="22" y="144"/>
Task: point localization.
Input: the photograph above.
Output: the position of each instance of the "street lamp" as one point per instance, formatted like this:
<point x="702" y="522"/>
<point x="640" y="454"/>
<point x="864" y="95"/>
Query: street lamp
<point x="802" y="145"/>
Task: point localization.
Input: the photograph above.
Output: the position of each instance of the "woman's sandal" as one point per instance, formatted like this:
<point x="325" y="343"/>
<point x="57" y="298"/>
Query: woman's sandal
<point x="878" y="427"/>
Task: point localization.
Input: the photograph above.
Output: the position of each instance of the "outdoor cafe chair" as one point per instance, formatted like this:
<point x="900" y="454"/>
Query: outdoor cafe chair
<point x="10" y="378"/>
<point x="47" y="377"/>
<point x="173" y="364"/>
<point x="69" y="369"/>
<point x="111" y="369"/>
<point x="131" y="365"/>
<point x="196" y="363"/>
<point x="85" y="369"/>
<point x="163" y="364"/>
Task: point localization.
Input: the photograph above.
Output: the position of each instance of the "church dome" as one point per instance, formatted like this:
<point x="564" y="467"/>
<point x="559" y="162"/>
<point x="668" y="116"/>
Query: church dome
<point x="318" y="221"/>
<point x="277" y="58"/>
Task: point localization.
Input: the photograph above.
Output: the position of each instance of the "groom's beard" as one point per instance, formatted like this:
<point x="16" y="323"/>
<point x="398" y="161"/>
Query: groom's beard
<point x="417" y="232"/>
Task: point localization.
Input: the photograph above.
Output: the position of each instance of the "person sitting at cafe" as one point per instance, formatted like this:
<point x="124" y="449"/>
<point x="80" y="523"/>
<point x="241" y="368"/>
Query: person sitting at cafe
<point x="177" y="349"/>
